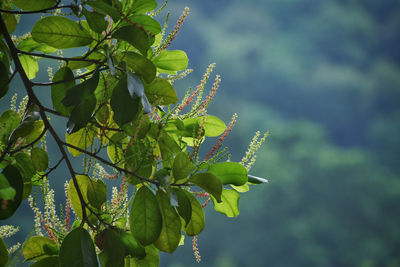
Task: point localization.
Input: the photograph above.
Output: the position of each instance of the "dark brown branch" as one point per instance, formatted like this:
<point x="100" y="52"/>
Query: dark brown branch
<point x="57" y="57"/>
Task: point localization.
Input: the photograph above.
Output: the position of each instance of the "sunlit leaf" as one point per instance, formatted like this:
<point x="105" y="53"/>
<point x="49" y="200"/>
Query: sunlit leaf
<point x="30" y="5"/>
<point x="83" y="182"/>
<point x="59" y="91"/>
<point x="230" y="203"/>
<point x="213" y="126"/>
<point x="140" y="64"/>
<point x="197" y="221"/>
<point x="30" y="65"/>
<point x="29" y="45"/>
<point x="161" y="92"/>
<point x="33" y="248"/>
<point x="175" y="60"/>
<point x="82" y="139"/>
<point x="14" y="179"/>
<point x="95" y="20"/>
<point x="40" y="159"/>
<point x="208" y="182"/>
<point x="143" y="6"/>
<point x="6" y="190"/>
<point x="96" y="193"/>
<point x="146" y="22"/>
<point x="230" y="173"/>
<point x="9" y="120"/>
<point x="134" y="36"/>
<point x="182" y="167"/>
<point x="152" y="259"/>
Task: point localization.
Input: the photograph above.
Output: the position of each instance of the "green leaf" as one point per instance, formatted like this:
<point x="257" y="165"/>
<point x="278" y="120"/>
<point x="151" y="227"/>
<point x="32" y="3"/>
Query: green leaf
<point x="132" y="246"/>
<point x="139" y="158"/>
<point x="30" y="5"/>
<point x="77" y="249"/>
<point x="140" y="64"/>
<point x="182" y="167"/>
<point x="256" y="180"/>
<point x="135" y="88"/>
<point x="4" y="77"/>
<point x="82" y="139"/>
<point x="230" y="203"/>
<point x="30" y="66"/>
<point x="152" y="259"/>
<point x="37" y="129"/>
<point x="51" y="261"/>
<point x="161" y="92"/>
<point x="3" y="253"/>
<point x="143" y="6"/>
<point x="184" y="207"/>
<point x="208" y="182"/>
<point x="33" y="248"/>
<point x="59" y="91"/>
<point x="124" y="105"/>
<point x="15" y="181"/>
<point x="147" y="23"/>
<point x="113" y="252"/>
<point x="134" y="36"/>
<point x="212" y="126"/>
<point x="115" y="149"/>
<point x="197" y="221"/>
<point x="83" y="182"/>
<point x="168" y="148"/>
<point x="29" y="45"/>
<point x="230" y="173"/>
<point x="6" y="191"/>
<point x="60" y="32"/>
<point x="26" y="127"/>
<point x="83" y="99"/>
<point x="170" y="235"/>
<point x="105" y="8"/>
<point x="9" y="120"/>
<point x="175" y="60"/>
<point x="10" y="21"/>
<point x="95" y="20"/>
<point x="145" y="217"/>
<point x="96" y="193"/>
<point x="40" y="159"/>
<point x="25" y="166"/>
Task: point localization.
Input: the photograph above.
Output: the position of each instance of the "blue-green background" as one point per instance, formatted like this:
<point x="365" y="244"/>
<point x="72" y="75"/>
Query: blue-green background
<point x="324" y="78"/>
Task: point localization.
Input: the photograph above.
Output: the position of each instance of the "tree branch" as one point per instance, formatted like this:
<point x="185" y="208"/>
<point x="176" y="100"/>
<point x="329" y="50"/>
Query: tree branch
<point x="55" y="6"/>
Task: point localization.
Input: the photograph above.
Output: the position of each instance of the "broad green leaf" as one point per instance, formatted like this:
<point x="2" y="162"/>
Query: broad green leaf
<point x="134" y="36"/>
<point x="208" y="182"/>
<point x="59" y="91"/>
<point x="6" y="190"/>
<point x="230" y="173"/>
<point x="82" y="139"/>
<point x="230" y="203"/>
<point x="3" y="253"/>
<point x="77" y="249"/>
<point x="182" y="167"/>
<point x="148" y="23"/>
<point x="10" y="21"/>
<point x="30" y="5"/>
<point x="175" y="60"/>
<point x="212" y="126"/>
<point x="168" y="148"/>
<point x="143" y="6"/>
<point x="113" y="252"/>
<point x="241" y="188"/>
<point x="170" y="235"/>
<point x="124" y="105"/>
<point x="37" y="129"/>
<point x="161" y="92"/>
<point x="15" y="181"/>
<point x="95" y="20"/>
<point x="83" y="182"/>
<point x="33" y="248"/>
<point x="145" y="217"/>
<point x="52" y="261"/>
<point x="26" y="127"/>
<point x="140" y="64"/>
<point x="184" y="206"/>
<point x="139" y="158"/>
<point x="104" y="7"/>
<point x="96" y="193"/>
<point x="25" y="166"/>
<point x="4" y="79"/>
<point x="30" y="65"/>
<point x="115" y="149"/>
<point x="132" y="246"/>
<point x="40" y="159"/>
<point x="29" y="45"/>
<point x="152" y="259"/>
<point x="60" y="32"/>
<point x="197" y="221"/>
<point x="256" y="180"/>
<point x="9" y="120"/>
<point x="83" y="99"/>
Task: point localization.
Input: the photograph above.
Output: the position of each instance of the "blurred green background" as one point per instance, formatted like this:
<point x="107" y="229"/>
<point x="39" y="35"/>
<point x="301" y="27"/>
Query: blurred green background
<point x="324" y="78"/>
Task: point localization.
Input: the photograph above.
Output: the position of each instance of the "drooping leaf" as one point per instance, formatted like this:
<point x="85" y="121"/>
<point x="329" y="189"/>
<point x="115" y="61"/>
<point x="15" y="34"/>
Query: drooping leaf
<point x="135" y="88"/>
<point x="33" y="248"/>
<point x="208" y="182"/>
<point x="82" y="139"/>
<point x="4" y="77"/>
<point x="95" y="20"/>
<point x="59" y="91"/>
<point x="40" y="159"/>
<point x="168" y="148"/>
<point x="124" y="105"/>
<point x="147" y="23"/>
<point x="15" y="181"/>
<point x="7" y="192"/>
<point x="143" y="6"/>
<point x="140" y="64"/>
<point x="182" y="167"/>
<point x="60" y="32"/>
<point x="30" y="5"/>
<point x="170" y="235"/>
<point x="152" y="259"/>
<point x="197" y="221"/>
<point x="77" y="249"/>
<point x="30" y="65"/>
<point x="184" y="206"/>
<point x="230" y="203"/>
<point x="145" y="217"/>
<point x="83" y="182"/>
<point x="113" y="252"/>
<point x="230" y="173"/>
<point x="175" y="60"/>
<point x="29" y="45"/>
<point x="161" y="92"/>
<point x="3" y="253"/>
<point x="134" y="36"/>
<point x="96" y="193"/>
<point x="51" y="261"/>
